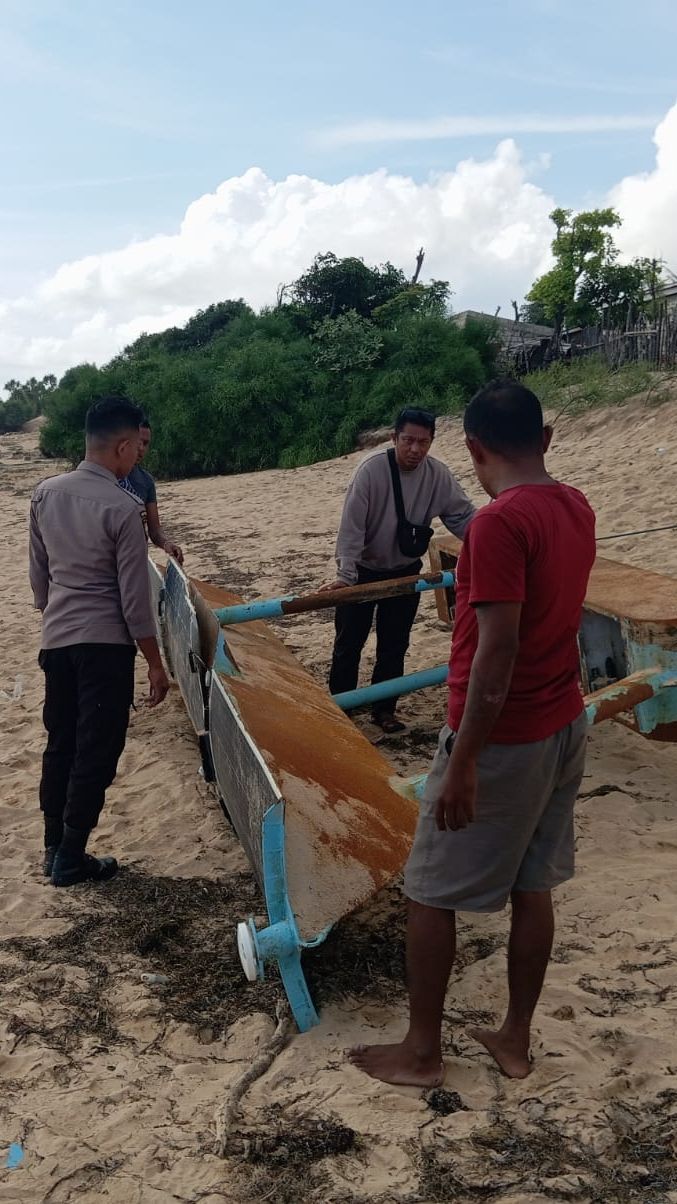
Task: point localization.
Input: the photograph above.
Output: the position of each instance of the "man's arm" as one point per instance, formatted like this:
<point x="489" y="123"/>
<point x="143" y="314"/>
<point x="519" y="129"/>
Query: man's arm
<point x="456" y="510"/>
<point x="498" y="643"/>
<point x="38" y="562"/>
<point x="158" y="536"/>
<point x="132" y="565"/>
<point x="352" y="530"/>
<point x="353" y="527"/>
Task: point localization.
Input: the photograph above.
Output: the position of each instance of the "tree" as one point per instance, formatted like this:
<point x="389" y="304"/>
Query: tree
<point x="587" y="283"/>
<point x="535" y="312"/>
<point x="63" y="433"/>
<point x="418" y="300"/>
<point x="615" y="292"/>
<point x="582" y="245"/>
<point x="332" y="286"/>
<point x="25" y="401"/>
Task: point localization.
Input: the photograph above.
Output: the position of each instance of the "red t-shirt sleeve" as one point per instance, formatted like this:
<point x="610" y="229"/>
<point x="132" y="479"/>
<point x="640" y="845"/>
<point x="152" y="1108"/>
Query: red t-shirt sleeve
<point x="497" y="560"/>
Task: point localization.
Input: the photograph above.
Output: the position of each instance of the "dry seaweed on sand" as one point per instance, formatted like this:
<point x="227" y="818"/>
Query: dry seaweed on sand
<point x="180" y="928"/>
<point x="282" y="1152"/>
<point x="362" y="956"/>
<point x="638" y="1168"/>
<point x="444" y="1102"/>
<point x="281" y="1139"/>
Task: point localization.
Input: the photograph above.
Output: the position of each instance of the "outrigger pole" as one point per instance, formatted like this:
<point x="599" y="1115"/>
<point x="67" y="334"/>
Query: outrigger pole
<point x="622" y="695"/>
<point x="367" y="695"/>
<point x="297" y="604"/>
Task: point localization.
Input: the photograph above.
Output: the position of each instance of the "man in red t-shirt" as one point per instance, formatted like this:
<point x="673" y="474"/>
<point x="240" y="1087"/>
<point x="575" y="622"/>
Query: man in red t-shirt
<point x="496" y="821"/>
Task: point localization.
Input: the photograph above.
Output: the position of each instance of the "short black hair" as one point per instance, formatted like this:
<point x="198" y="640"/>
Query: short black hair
<point x="112" y="415"/>
<point x="145" y="422"/>
<point x="417" y="417"/>
<point x="505" y="417"/>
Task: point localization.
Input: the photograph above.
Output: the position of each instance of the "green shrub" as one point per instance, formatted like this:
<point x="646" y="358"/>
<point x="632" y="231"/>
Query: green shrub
<point x="578" y="384"/>
<point x="234" y="391"/>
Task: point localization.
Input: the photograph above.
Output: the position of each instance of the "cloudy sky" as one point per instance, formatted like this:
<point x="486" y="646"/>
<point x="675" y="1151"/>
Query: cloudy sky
<point x="157" y="156"/>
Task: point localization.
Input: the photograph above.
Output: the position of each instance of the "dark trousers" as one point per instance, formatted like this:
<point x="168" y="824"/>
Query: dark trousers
<point x="394" y="621"/>
<point x="89" y="689"/>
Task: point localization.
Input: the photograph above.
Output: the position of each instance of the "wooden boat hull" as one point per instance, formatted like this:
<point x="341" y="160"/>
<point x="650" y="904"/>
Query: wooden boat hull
<point x="317" y="809"/>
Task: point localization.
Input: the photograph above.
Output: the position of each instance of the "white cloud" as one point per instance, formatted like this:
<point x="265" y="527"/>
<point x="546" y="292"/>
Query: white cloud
<point x="484" y="225"/>
<point x="648" y="202"/>
<point x="503" y="125"/>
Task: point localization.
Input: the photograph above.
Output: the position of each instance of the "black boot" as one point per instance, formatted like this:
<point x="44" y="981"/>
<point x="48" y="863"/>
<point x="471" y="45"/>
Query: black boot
<point x="53" y="838"/>
<point x="72" y="864"/>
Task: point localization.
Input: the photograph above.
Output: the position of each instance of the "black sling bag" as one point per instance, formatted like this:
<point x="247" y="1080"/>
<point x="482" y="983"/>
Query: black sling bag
<point x="413" y="539"/>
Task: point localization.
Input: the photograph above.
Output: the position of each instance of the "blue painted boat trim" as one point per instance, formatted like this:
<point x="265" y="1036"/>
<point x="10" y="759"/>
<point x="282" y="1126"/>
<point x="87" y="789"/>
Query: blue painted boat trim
<point x="662" y="708"/>
<point x="281" y="941"/>
<point x="419" y="783"/>
<point x="222" y="661"/>
<point x="367" y="695"/>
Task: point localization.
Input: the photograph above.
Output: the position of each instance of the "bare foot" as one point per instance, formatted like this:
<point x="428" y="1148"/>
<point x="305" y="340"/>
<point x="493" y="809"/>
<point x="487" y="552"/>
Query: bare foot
<point x="509" y="1056"/>
<point x="397" y="1064"/>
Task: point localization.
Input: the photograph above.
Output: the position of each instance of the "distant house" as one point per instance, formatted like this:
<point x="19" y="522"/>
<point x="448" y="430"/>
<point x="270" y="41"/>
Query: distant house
<point x="523" y="343"/>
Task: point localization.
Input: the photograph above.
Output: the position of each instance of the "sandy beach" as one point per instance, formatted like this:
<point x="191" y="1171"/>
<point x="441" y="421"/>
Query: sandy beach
<point x="124" y="1014"/>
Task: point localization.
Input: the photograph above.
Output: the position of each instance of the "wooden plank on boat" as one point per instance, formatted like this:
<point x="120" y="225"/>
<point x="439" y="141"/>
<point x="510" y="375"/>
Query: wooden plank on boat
<point x="620" y="590"/>
<point x="443" y="553"/>
<point x="627" y="592"/>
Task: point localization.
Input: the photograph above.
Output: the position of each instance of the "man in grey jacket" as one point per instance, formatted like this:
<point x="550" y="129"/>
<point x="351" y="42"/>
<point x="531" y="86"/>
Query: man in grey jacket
<point x="368" y="550"/>
<point x="89" y="573"/>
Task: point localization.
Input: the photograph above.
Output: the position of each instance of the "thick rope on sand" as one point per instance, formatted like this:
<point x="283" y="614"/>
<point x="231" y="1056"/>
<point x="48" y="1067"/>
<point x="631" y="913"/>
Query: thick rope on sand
<point x="263" y="1060"/>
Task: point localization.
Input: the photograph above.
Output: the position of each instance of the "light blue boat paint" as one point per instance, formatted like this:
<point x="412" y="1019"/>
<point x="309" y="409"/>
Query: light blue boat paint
<point x="280" y="941"/>
<point x="368" y="695"/>
<point x="222" y="661"/>
<point x="274" y="608"/>
<point x="655" y="711"/>
<point x="15" y="1156"/>
<point x="418" y="783"/>
<point x="662" y="708"/>
<point x="245" y="612"/>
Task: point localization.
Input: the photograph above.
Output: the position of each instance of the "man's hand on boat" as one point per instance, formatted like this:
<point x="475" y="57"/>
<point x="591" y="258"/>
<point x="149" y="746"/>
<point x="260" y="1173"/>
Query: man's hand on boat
<point x="173" y="549"/>
<point x="332" y="585"/>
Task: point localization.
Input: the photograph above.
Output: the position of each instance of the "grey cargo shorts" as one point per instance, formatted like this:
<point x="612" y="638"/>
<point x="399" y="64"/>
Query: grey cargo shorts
<point x="522" y="837"/>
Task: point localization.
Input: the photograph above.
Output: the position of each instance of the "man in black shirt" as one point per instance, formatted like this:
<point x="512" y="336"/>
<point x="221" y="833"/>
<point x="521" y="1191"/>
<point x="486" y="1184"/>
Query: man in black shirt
<point x="140" y="485"/>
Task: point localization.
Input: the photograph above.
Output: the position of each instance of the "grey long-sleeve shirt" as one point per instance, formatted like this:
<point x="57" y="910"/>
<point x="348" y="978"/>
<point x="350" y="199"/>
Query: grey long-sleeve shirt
<point x="88" y="561"/>
<point x="368" y="531"/>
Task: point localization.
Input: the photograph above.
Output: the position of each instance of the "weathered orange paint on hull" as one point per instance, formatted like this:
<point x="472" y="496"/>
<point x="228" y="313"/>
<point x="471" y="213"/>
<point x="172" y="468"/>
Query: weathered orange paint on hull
<point x="347" y="831"/>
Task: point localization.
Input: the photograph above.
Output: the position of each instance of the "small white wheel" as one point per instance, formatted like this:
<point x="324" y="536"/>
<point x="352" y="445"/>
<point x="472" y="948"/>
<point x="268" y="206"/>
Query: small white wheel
<point x="247" y="951"/>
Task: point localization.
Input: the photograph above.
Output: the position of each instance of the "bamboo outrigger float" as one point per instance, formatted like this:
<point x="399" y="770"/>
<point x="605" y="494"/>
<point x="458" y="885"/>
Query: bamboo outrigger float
<point x="324" y="821"/>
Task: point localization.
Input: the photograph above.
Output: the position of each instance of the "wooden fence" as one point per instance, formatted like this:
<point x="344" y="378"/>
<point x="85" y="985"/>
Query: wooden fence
<point x="651" y="341"/>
